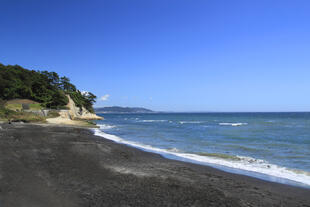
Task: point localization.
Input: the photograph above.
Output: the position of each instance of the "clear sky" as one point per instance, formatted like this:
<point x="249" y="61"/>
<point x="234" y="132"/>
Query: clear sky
<point x="173" y="55"/>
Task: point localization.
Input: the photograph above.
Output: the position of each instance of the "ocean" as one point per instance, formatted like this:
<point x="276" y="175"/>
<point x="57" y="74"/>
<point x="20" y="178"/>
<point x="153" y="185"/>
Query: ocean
<point x="269" y="146"/>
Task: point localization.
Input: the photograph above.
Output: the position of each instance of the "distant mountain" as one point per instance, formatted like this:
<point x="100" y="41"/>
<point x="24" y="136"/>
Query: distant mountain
<point x="119" y="109"/>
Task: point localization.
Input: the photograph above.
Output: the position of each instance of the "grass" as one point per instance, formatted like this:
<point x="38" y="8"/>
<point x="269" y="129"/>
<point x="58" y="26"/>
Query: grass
<point x="86" y="123"/>
<point x="36" y="106"/>
<point x="52" y="114"/>
<point x="14" y="107"/>
<point x="26" y="117"/>
<point x="89" y="124"/>
<point x="14" y="116"/>
<point x="17" y="104"/>
<point x="11" y="111"/>
<point x="18" y="107"/>
<point x="21" y="101"/>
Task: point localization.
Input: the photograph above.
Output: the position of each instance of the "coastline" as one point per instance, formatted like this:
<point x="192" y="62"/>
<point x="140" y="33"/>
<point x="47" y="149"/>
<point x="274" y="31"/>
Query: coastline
<point x="299" y="180"/>
<point x="50" y="165"/>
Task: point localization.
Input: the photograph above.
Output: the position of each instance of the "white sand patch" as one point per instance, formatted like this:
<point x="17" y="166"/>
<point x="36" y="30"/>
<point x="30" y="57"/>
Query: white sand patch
<point x="126" y="170"/>
<point x="61" y="120"/>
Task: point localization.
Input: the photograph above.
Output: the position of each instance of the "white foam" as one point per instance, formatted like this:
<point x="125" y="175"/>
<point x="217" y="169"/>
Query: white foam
<point x="244" y="163"/>
<point x="153" y="120"/>
<point x="173" y="149"/>
<point x="106" y="126"/>
<point x="190" y="122"/>
<point x="232" y="124"/>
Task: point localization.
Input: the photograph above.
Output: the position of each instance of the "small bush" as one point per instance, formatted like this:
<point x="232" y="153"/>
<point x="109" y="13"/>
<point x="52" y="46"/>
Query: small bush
<point x="25" y="117"/>
<point x="63" y="108"/>
<point x="14" y="106"/>
<point x="10" y="115"/>
<point x="4" y="113"/>
<point x="2" y="103"/>
<point x="52" y="114"/>
<point x="60" y="107"/>
<point x="35" y="106"/>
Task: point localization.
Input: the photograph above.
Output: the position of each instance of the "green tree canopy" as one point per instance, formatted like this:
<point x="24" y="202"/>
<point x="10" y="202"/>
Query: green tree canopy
<point x="44" y="87"/>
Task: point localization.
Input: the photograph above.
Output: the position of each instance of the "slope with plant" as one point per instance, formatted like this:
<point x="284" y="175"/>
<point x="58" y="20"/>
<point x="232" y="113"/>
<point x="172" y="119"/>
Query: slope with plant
<point x="47" y="89"/>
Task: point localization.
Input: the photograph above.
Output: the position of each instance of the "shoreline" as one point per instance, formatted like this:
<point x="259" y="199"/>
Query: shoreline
<point x="69" y="166"/>
<point x="197" y="159"/>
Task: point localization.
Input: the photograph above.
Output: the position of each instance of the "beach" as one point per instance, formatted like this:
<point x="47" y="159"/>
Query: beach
<point x="44" y="165"/>
<point x="270" y="146"/>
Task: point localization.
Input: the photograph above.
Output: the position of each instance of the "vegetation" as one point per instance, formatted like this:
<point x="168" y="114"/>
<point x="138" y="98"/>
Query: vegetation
<point x="46" y="88"/>
<point x="52" y="114"/>
<point x="14" y="116"/>
<point x="25" y="117"/>
<point x="19" y="107"/>
<point x="3" y="110"/>
<point x="14" y="107"/>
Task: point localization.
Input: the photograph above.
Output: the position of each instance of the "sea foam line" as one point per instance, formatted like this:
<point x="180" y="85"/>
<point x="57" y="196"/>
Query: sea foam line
<point x="105" y="126"/>
<point x="152" y="120"/>
<point x="190" y="122"/>
<point x="232" y="124"/>
<point x="244" y="163"/>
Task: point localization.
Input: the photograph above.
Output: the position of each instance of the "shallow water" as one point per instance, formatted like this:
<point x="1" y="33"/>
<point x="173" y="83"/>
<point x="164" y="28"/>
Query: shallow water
<point x="259" y="144"/>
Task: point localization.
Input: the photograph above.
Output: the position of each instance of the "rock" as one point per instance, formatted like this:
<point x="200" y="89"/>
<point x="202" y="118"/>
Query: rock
<point x="73" y="115"/>
<point x="75" y="112"/>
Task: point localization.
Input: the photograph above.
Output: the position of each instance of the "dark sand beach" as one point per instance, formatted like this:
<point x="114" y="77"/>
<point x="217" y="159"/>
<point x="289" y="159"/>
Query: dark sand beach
<point x="67" y="166"/>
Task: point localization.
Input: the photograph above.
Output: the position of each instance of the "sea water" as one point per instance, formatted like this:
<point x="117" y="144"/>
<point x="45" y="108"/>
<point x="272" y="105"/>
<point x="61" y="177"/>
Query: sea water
<point x="270" y="146"/>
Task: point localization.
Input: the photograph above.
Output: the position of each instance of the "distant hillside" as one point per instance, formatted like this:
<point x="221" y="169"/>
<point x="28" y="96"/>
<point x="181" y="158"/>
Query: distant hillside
<point x="118" y="109"/>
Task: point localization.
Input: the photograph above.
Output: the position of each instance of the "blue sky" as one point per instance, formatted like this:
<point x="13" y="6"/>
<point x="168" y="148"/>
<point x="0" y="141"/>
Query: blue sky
<point x="172" y="55"/>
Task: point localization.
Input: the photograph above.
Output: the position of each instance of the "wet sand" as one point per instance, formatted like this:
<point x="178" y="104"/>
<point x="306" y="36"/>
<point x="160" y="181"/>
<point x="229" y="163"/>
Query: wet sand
<point x="69" y="166"/>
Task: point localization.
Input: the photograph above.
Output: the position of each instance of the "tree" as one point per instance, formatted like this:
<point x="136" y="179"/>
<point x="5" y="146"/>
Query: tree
<point x="89" y="100"/>
<point x="66" y="85"/>
<point x="44" y="87"/>
<point x="52" y="77"/>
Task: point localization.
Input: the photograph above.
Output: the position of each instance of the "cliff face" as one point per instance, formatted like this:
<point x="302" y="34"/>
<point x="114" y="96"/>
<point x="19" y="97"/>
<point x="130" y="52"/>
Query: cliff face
<point x="80" y="113"/>
<point x="73" y="116"/>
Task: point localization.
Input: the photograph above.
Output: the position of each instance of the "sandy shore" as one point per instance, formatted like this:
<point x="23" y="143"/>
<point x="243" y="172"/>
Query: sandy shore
<point x="65" y="121"/>
<point x="66" y="166"/>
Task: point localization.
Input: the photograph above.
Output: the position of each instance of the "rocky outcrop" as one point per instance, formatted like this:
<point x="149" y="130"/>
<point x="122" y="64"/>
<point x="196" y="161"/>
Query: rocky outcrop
<point x="75" y="112"/>
<point x="74" y="116"/>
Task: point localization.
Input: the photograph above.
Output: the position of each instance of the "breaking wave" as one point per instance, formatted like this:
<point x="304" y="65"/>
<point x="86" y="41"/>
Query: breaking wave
<point x="153" y="120"/>
<point x="190" y="122"/>
<point x="106" y="126"/>
<point x="243" y="163"/>
<point x="232" y="124"/>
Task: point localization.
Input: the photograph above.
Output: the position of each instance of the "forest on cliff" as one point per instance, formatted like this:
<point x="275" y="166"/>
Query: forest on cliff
<point x="47" y="88"/>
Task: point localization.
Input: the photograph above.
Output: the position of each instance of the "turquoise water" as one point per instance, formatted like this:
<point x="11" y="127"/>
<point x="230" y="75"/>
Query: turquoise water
<point x="266" y="145"/>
